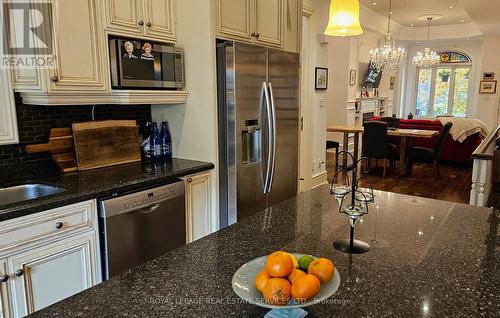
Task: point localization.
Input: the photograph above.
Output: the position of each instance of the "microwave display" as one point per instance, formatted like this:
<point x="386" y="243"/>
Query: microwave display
<point x="145" y="64"/>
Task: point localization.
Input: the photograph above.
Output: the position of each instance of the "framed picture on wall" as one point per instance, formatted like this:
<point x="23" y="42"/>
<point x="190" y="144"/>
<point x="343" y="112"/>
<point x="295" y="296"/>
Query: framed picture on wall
<point x="321" y="78"/>
<point x="352" y="77"/>
<point x="488" y="87"/>
<point x="392" y="82"/>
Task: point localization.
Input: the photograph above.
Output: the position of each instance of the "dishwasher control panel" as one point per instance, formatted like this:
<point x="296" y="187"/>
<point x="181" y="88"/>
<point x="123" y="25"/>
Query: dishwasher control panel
<point x="142" y="199"/>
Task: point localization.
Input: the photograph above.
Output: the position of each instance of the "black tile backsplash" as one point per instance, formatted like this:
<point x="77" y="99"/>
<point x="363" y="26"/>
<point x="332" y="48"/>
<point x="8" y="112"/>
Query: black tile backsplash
<point x="35" y="122"/>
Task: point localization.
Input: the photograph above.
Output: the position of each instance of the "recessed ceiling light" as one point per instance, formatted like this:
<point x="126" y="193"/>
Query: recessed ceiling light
<point x="468" y="39"/>
<point x="412" y="24"/>
<point x="450" y="7"/>
<point x="417" y="42"/>
<point x="374" y="3"/>
<point x="463" y="20"/>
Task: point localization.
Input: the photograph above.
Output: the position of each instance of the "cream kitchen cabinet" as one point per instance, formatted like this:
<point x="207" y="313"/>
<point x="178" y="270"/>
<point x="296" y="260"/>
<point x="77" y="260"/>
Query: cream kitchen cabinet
<point x="5" y="309"/>
<point x="78" y="51"/>
<point x="153" y="19"/>
<point x="48" y="256"/>
<point x="292" y="25"/>
<point x="198" y="206"/>
<point x="254" y="21"/>
<point x="8" y="121"/>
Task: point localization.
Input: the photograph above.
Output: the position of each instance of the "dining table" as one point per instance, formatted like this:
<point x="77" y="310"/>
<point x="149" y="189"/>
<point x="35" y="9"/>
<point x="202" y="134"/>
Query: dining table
<point x="405" y="136"/>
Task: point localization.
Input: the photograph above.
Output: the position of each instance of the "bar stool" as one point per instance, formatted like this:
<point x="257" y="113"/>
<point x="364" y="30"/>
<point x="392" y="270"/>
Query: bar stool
<point x="330" y="144"/>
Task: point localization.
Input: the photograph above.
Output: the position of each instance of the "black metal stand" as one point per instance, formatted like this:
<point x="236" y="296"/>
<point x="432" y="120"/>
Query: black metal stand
<point x="353" y="246"/>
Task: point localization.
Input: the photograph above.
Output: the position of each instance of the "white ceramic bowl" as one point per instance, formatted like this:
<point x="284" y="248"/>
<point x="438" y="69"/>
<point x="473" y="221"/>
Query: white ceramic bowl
<point x="244" y="285"/>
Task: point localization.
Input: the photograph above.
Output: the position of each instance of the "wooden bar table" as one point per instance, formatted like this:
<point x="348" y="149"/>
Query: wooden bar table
<point x="404" y="134"/>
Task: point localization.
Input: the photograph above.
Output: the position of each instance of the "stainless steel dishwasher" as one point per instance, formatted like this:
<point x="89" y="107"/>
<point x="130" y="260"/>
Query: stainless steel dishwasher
<point x="139" y="226"/>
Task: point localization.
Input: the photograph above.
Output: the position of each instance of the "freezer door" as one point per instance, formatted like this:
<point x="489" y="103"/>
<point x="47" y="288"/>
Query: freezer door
<point x="284" y="81"/>
<point x="250" y="120"/>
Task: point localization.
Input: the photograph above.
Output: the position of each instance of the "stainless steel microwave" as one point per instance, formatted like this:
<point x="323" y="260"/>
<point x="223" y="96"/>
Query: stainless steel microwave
<point x="142" y="64"/>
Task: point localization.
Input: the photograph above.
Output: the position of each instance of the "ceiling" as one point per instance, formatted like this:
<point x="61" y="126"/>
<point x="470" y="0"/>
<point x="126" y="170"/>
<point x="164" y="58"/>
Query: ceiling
<point x="406" y="12"/>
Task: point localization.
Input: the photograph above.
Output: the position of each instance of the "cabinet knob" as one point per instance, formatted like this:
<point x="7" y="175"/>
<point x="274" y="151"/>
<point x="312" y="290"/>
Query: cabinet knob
<point x="4" y="278"/>
<point x="141" y="23"/>
<point x="54" y="79"/>
<point x="19" y="272"/>
<point x="253" y="34"/>
<point x="59" y="225"/>
<point x="148" y="24"/>
<point x="189" y="180"/>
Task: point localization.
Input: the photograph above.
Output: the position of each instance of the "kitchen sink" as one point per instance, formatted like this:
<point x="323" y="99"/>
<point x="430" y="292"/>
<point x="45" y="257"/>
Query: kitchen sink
<point x="26" y="192"/>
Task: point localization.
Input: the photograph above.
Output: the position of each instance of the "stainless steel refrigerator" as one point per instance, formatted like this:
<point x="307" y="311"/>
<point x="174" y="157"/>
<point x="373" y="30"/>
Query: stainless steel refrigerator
<point x="258" y="110"/>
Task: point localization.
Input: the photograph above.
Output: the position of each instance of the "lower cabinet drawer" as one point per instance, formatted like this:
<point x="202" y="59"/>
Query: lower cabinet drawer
<point x="64" y="220"/>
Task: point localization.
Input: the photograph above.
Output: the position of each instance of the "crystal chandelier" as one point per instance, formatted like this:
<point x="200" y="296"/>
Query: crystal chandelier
<point x="427" y="58"/>
<point x="388" y="56"/>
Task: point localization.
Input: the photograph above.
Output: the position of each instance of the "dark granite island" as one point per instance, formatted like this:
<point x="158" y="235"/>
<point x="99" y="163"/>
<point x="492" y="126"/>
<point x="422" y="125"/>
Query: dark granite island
<point x="428" y="258"/>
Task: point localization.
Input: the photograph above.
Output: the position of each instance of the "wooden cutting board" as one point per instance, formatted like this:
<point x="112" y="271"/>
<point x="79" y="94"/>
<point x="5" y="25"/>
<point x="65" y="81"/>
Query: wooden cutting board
<point x="61" y="147"/>
<point x="106" y="143"/>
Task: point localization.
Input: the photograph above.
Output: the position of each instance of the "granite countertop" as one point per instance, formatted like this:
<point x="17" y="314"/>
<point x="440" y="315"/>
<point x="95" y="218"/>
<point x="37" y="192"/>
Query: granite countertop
<point x="427" y="258"/>
<point x="80" y="186"/>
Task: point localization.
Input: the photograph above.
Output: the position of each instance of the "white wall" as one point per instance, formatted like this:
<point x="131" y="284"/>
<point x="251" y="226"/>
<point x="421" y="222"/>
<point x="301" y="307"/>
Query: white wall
<point x="488" y="105"/>
<point x="194" y="125"/>
<point x="321" y="102"/>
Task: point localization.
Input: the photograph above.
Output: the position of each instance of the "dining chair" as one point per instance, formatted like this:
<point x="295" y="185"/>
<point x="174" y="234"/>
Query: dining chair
<point x="376" y="143"/>
<point x="330" y="144"/>
<point x="422" y="154"/>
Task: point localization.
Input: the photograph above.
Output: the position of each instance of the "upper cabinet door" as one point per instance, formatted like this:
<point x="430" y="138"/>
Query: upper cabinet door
<point x="268" y="22"/>
<point x="125" y="16"/>
<point x="159" y="19"/>
<point x="234" y="19"/>
<point x="8" y="122"/>
<point x="79" y="59"/>
<point x="292" y="25"/>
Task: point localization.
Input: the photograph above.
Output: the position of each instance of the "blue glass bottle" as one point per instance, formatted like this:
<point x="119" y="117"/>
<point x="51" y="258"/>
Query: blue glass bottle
<point x="155" y="143"/>
<point x="166" y="141"/>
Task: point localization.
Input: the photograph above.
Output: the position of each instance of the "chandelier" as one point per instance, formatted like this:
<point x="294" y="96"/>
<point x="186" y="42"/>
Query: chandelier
<point x="427" y="58"/>
<point x="388" y="56"/>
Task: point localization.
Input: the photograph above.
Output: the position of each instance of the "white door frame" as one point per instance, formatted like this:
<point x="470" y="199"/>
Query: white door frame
<point x="306" y="97"/>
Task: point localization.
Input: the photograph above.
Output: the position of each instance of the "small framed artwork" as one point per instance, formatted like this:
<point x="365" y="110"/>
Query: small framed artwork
<point x="392" y="82"/>
<point x="352" y="77"/>
<point x="321" y="78"/>
<point x="488" y="75"/>
<point x="488" y="87"/>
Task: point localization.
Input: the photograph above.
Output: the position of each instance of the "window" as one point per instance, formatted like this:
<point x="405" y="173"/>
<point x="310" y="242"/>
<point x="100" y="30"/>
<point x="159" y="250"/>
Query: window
<point x="443" y="89"/>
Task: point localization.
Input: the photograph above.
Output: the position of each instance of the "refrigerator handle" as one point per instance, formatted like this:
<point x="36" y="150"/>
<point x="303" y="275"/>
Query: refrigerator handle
<point x="273" y="145"/>
<point x="265" y="94"/>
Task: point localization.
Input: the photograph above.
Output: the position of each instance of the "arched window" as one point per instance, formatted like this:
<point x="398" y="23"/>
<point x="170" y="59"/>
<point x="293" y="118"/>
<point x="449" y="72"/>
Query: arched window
<point x="444" y="88"/>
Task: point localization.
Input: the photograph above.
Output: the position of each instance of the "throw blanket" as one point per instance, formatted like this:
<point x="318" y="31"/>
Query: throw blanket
<point x="464" y="127"/>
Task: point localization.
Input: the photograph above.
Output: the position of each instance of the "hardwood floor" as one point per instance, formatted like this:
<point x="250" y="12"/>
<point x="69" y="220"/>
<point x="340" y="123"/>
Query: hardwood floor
<point x="454" y="184"/>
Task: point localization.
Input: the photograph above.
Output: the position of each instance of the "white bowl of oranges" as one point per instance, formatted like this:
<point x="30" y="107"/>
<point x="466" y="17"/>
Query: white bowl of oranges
<point x="286" y="280"/>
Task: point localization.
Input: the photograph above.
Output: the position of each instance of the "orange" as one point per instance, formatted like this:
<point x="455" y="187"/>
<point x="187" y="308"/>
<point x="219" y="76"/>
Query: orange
<point x="277" y="291"/>
<point x="261" y="280"/>
<point x="322" y="268"/>
<point x="296" y="273"/>
<point x="305" y="288"/>
<point x="279" y="264"/>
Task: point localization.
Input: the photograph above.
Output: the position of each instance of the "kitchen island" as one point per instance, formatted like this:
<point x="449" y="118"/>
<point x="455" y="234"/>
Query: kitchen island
<point x="427" y="258"/>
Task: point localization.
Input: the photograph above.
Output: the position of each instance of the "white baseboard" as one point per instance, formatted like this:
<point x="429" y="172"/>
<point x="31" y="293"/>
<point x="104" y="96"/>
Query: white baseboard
<point x="319" y="179"/>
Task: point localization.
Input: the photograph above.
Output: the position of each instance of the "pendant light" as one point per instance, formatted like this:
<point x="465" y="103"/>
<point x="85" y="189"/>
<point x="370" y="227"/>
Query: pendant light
<point x="427" y="58"/>
<point x="387" y="56"/>
<point x="344" y="18"/>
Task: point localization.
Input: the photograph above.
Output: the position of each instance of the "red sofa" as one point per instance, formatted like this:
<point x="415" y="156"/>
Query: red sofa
<point x="452" y="150"/>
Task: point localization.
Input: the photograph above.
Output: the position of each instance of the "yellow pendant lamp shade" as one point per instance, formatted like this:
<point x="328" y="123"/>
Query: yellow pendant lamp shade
<point x="344" y="18"/>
